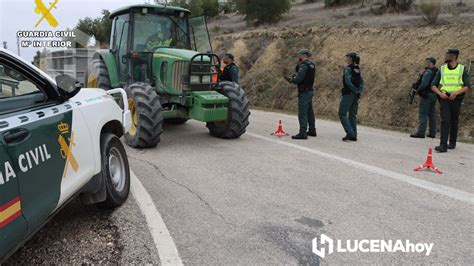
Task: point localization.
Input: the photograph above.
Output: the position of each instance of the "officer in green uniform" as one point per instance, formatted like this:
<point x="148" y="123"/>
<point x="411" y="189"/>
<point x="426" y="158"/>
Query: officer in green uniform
<point x="353" y="87"/>
<point x="304" y="79"/>
<point x="427" y="100"/>
<point x="451" y="84"/>
<point x="231" y="71"/>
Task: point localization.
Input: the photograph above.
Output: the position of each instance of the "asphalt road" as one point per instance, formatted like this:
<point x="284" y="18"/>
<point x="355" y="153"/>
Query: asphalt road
<point x="260" y="200"/>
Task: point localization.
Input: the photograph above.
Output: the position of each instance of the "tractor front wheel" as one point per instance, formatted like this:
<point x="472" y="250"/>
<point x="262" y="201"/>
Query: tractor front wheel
<point x="147" y="120"/>
<point x="238" y="113"/>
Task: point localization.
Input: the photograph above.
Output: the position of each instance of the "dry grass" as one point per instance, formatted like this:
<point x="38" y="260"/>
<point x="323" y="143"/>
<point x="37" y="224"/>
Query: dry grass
<point x="304" y="15"/>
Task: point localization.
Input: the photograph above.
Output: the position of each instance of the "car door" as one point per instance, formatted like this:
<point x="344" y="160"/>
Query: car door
<point x="30" y="143"/>
<point x="13" y="226"/>
<point x="41" y="141"/>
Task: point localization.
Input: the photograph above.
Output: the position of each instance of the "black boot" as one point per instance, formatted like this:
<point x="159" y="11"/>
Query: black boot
<point x="432" y="136"/>
<point x="300" y="136"/>
<point x="441" y="149"/>
<point x="312" y="133"/>
<point x="349" y="138"/>
<point x="417" y="136"/>
<point x="452" y="146"/>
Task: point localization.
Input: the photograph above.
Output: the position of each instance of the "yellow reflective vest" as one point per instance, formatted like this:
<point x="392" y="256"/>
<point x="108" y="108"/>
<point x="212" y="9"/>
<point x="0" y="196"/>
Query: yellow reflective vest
<point x="451" y="79"/>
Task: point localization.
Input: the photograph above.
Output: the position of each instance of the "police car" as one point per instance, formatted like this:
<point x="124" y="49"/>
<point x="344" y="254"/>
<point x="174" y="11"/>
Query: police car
<point x="57" y="141"/>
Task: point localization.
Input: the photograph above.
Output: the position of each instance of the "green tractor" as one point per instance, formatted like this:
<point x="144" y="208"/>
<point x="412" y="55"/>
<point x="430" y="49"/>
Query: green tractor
<point x="164" y="61"/>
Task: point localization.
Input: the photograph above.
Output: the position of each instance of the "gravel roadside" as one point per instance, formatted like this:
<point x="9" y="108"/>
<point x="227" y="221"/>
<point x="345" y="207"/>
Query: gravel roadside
<point x="86" y="234"/>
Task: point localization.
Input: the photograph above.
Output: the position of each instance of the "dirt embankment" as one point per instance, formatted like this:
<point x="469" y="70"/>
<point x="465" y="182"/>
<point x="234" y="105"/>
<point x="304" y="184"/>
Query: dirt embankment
<point x="391" y="61"/>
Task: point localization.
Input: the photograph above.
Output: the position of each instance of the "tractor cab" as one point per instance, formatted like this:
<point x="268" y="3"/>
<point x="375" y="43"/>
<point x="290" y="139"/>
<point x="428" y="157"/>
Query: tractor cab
<point x="149" y="40"/>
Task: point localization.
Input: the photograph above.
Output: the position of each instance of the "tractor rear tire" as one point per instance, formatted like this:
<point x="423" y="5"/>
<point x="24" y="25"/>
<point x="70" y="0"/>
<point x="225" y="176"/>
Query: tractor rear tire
<point x="147" y="120"/>
<point x="238" y="113"/>
<point x="97" y="75"/>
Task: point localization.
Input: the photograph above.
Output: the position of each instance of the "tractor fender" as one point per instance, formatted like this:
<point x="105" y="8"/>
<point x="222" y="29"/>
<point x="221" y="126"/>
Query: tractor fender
<point x="111" y="65"/>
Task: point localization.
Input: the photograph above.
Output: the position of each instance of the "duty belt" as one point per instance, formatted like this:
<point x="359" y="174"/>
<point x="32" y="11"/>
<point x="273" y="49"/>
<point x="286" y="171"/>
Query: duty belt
<point x="304" y="89"/>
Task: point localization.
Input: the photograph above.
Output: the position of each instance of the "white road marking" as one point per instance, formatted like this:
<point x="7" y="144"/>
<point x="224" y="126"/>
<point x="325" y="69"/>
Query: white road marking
<point x="437" y="188"/>
<point x="164" y="243"/>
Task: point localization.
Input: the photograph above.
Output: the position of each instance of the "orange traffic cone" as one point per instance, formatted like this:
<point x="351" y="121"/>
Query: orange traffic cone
<point x="280" y="133"/>
<point x="429" y="163"/>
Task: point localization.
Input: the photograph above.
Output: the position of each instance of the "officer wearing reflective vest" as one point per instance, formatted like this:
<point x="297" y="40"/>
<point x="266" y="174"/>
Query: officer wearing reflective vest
<point x="451" y="84"/>
<point x="304" y="79"/>
<point x="349" y="104"/>
<point x="427" y="100"/>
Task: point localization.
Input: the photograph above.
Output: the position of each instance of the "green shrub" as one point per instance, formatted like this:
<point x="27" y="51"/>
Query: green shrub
<point x="430" y="10"/>
<point x="210" y="8"/>
<point x="402" y="5"/>
<point x="228" y="7"/>
<point x="263" y="11"/>
<point x="195" y="6"/>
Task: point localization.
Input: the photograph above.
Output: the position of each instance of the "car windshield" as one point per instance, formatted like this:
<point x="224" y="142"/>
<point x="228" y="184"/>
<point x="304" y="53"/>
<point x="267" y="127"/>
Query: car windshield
<point x="152" y="31"/>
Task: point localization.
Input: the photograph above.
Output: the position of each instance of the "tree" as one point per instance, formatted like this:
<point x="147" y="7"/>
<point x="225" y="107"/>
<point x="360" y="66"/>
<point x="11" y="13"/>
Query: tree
<point x="210" y="8"/>
<point x="99" y="27"/>
<point x="195" y="6"/>
<point x="263" y="11"/>
<point x="180" y="3"/>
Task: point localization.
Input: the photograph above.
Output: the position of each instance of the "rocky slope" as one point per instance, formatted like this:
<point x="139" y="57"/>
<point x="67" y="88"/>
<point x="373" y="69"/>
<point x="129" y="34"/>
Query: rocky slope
<point x="391" y="61"/>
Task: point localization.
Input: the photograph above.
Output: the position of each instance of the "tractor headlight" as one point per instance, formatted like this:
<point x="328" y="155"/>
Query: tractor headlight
<point x="206" y="79"/>
<point x="195" y="79"/>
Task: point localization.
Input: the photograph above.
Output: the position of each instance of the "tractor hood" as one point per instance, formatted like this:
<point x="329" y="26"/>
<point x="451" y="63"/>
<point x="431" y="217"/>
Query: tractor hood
<point x="176" y="54"/>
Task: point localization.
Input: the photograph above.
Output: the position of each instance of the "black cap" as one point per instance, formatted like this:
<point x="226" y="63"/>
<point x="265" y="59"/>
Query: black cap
<point x="352" y="55"/>
<point x="453" y="52"/>
<point x="304" y="51"/>
<point x="431" y="59"/>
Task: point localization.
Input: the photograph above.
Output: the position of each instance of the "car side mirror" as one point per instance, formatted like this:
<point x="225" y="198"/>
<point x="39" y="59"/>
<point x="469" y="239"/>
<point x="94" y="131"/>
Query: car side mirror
<point x="68" y="85"/>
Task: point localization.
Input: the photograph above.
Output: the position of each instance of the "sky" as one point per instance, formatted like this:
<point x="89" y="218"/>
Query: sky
<point x="19" y="15"/>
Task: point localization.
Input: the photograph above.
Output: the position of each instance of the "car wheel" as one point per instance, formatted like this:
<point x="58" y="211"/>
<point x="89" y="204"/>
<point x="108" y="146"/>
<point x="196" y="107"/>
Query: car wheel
<point x="115" y="171"/>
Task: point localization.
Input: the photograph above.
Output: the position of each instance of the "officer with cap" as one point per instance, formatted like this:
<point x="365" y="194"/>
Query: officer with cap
<point x="451" y="84"/>
<point x="304" y="79"/>
<point x="353" y="87"/>
<point x="427" y="100"/>
<point x="231" y="71"/>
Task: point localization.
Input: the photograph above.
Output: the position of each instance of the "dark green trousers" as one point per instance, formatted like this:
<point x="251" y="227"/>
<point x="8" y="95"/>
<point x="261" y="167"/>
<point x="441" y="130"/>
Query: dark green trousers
<point x="305" y="112"/>
<point x="427" y="113"/>
<point x="348" y="108"/>
<point x="450" y="111"/>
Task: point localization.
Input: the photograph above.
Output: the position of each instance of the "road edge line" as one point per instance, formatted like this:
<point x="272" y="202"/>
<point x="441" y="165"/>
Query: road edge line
<point x="164" y="243"/>
<point x="427" y="185"/>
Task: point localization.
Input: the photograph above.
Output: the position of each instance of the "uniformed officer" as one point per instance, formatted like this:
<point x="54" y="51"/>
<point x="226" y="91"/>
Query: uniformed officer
<point x="349" y="105"/>
<point x="427" y="100"/>
<point x="304" y="78"/>
<point x="231" y="70"/>
<point x="451" y="84"/>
